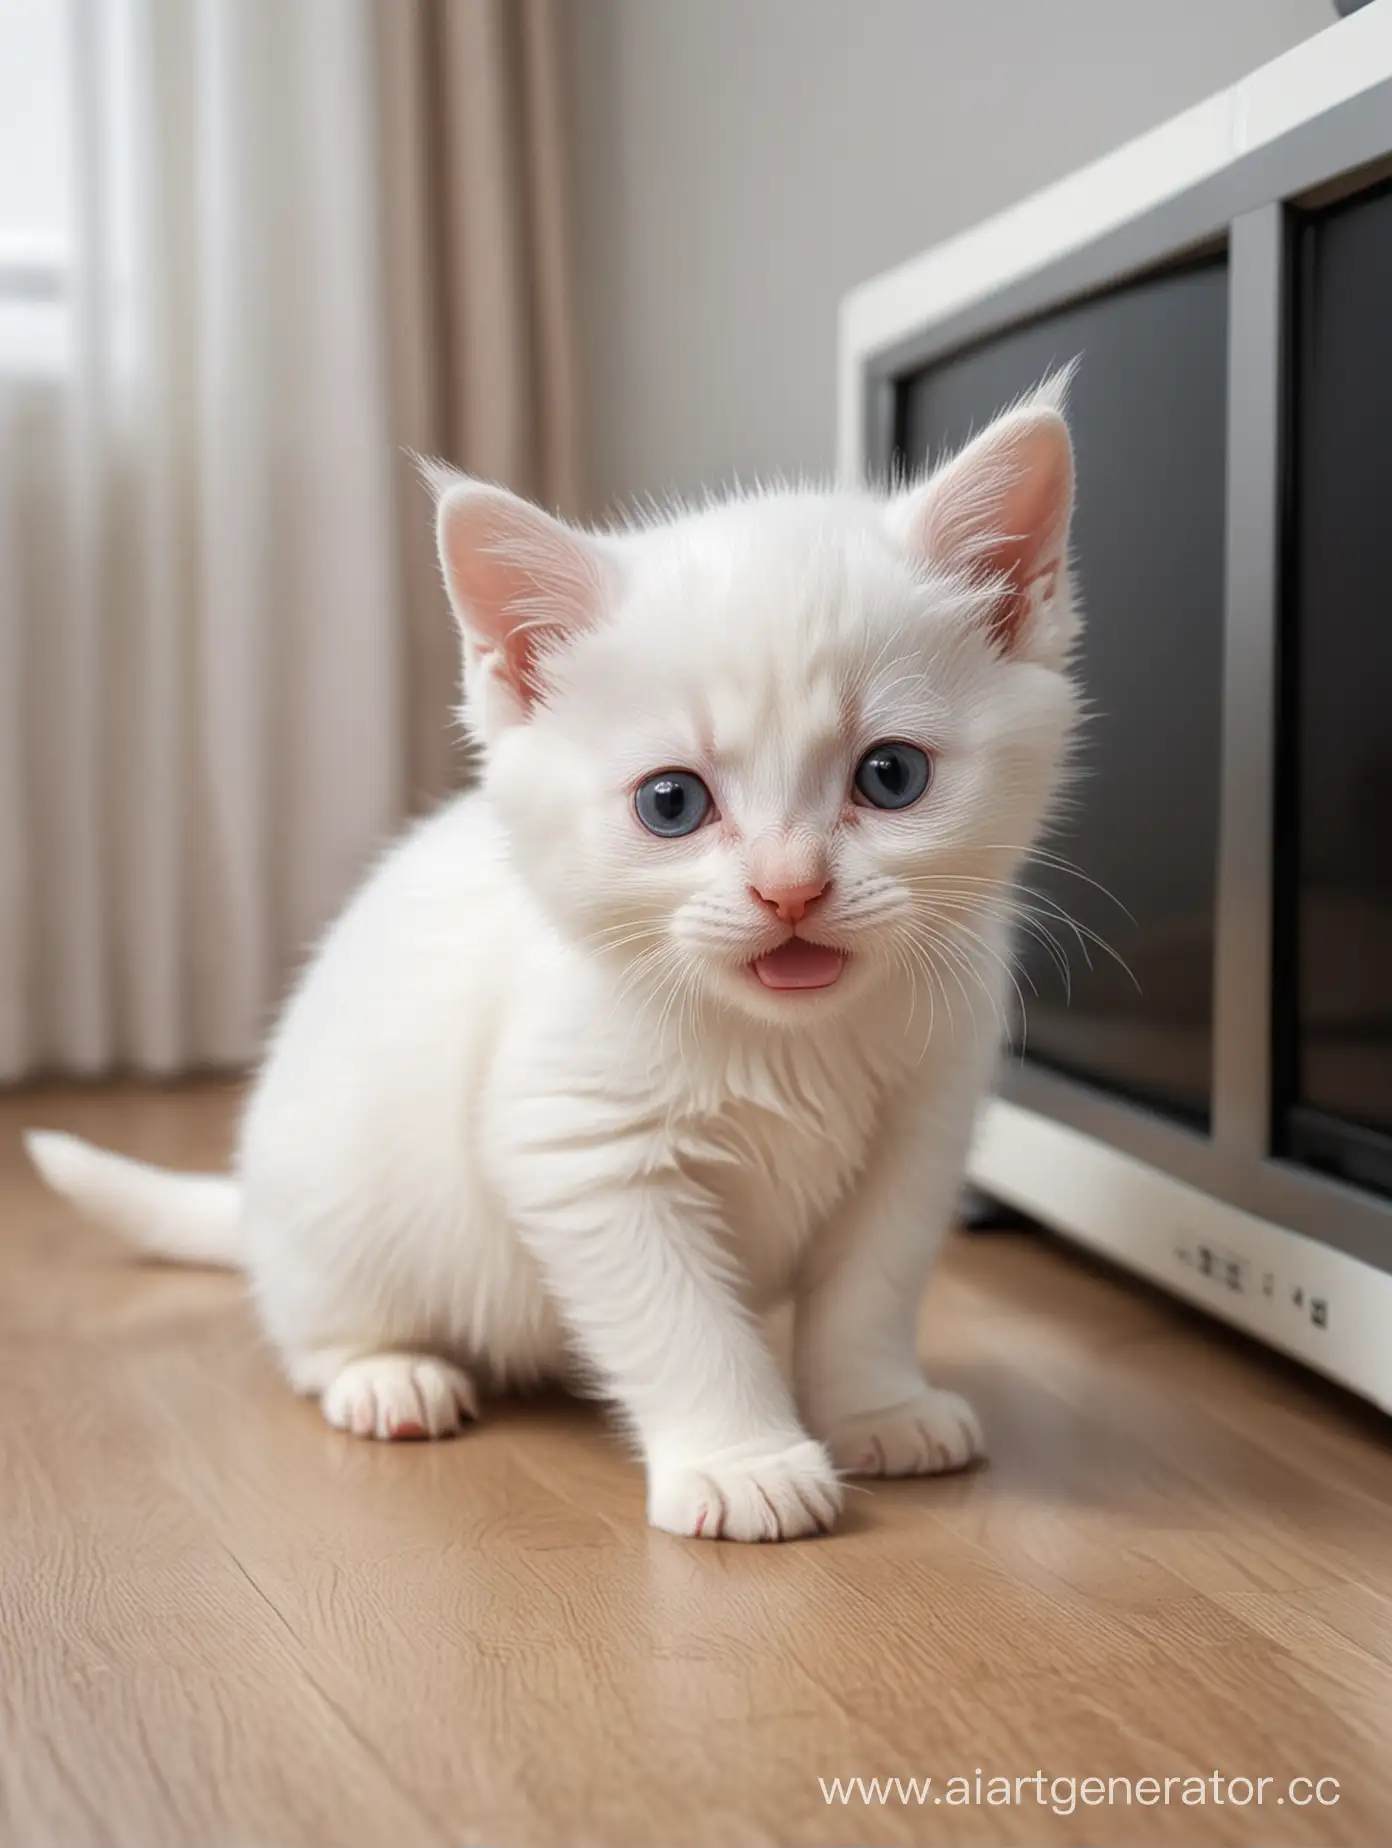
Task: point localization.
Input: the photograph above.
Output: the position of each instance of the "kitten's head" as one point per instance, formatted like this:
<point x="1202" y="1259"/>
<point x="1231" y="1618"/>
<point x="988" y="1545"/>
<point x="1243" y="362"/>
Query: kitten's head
<point x="781" y="750"/>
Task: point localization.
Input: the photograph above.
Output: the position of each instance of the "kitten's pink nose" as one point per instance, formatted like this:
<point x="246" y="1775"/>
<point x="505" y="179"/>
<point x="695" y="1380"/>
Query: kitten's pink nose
<point x="791" y="902"/>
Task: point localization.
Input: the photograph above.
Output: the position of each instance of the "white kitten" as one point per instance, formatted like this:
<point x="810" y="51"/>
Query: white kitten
<point x="688" y="1009"/>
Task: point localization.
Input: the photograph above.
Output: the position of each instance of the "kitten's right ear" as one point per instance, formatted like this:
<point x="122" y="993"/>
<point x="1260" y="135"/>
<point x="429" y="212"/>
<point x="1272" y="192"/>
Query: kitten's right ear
<point x="521" y="584"/>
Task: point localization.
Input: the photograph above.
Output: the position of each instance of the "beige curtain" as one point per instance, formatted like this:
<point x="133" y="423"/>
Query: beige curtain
<point x="479" y="266"/>
<point x="200" y="641"/>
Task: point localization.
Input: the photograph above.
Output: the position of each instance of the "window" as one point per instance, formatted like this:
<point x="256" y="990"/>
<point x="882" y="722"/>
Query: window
<point x="35" y="184"/>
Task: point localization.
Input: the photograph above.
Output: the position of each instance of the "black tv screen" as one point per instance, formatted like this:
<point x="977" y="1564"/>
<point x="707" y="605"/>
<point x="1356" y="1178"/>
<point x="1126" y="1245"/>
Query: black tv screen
<point x="1334" y="989"/>
<point x="1140" y="826"/>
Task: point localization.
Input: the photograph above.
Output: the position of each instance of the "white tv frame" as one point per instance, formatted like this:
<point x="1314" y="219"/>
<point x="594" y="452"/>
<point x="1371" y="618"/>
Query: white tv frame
<point x="1216" y="1219"/>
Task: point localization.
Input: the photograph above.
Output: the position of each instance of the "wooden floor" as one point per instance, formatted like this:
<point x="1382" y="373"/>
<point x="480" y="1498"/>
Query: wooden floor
<point x="221" y="1622"/>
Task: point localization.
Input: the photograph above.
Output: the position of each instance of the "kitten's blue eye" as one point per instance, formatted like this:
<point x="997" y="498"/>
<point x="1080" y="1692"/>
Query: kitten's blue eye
<point x="893" y="776"/>
<point x="672" y="803"/>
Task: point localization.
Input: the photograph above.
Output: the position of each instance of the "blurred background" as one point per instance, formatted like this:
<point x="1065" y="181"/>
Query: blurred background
<point x="254" y="253"/>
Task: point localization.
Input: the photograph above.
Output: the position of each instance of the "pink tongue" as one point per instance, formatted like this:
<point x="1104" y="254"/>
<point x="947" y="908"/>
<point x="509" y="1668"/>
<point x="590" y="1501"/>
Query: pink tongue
<point x="797" y="964"/>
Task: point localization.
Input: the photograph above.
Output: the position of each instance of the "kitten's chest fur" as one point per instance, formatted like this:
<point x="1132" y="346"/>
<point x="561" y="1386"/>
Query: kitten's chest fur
<point x="780" y="1133"/>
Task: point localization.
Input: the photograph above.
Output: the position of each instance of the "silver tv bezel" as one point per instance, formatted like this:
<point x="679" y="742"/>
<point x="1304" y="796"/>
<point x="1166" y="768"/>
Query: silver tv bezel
<point x="1297" y="1258"/>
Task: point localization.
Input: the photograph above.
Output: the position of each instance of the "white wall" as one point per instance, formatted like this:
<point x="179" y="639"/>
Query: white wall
<point x="744" y="162"/>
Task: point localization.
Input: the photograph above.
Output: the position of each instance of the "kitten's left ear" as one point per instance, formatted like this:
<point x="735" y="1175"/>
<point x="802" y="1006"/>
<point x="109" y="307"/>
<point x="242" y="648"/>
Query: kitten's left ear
<point x="521" y="584"/>
<point x="1001" y="511"/>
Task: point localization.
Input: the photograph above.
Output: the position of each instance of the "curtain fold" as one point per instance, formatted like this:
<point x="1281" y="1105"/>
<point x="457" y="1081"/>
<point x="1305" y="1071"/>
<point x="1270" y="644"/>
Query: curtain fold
<point x="478" y="220"/>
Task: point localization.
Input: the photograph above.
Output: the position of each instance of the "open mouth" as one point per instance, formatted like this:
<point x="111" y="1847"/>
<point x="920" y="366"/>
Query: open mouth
<point x="800" y="964"/>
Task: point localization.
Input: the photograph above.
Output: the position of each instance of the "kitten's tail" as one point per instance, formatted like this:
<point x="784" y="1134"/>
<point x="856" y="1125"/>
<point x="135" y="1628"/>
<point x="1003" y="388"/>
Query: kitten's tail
<point x="184" y="1218"/>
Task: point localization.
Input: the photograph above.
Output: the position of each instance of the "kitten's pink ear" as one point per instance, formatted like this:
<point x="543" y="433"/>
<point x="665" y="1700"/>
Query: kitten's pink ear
<point x="1001" y="511"/>
<point x="521" y="584"/>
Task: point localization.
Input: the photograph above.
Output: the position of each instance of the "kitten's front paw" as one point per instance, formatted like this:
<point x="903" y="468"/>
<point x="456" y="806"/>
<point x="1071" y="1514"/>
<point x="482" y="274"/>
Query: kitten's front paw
<point x="396" y="1396"/>
<point x="924" y="1436"/>
<point x="781" y="1495"/>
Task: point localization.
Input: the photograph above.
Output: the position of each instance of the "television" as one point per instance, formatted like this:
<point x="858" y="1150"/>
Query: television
<point x="1200" y="1086"/>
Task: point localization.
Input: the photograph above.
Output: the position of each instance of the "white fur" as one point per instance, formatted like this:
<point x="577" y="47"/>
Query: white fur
<point x="529" y="1114"/>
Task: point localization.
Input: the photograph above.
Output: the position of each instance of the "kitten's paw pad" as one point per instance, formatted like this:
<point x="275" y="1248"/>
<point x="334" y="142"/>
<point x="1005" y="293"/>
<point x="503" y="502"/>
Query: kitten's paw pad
<point x="925" y="1436"/>
<point x="399" y="1396"/>
<point x="781" y="1495"/>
